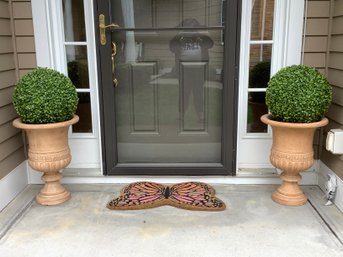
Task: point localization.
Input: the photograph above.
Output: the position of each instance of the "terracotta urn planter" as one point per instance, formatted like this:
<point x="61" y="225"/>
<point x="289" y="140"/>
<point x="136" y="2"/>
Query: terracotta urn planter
<point x="49" y="152"/>
<point x="292" y="152"/>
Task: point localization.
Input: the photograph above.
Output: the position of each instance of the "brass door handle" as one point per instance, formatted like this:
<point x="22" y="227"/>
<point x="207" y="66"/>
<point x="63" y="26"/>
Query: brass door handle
<point x="103" y="27"/>
<point x="114" y="53"/>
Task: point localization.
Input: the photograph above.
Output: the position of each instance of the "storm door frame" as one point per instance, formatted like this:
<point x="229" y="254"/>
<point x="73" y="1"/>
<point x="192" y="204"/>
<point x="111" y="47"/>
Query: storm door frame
<point x="230" y="102"/>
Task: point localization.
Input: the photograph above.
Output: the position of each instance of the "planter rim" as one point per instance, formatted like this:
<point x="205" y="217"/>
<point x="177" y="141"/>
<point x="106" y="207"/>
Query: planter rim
<point x="19" y="124"/>
<point x="266" y="118"/>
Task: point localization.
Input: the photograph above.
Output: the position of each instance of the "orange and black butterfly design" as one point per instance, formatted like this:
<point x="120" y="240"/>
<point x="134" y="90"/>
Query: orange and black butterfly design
<point x="188" y="195"/>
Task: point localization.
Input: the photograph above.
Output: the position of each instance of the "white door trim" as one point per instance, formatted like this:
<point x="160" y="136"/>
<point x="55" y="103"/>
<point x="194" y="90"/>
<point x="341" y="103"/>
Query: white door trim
<point x="322" y="179"/>
<point x="253" y="148"/>
<point x="50" y="51"/>
<point x="12" y="184"/>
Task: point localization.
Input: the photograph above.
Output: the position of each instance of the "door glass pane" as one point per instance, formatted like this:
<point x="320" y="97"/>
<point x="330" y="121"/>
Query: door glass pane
<point x="166" y="13"/>
<point x="259" y="53"/>
<point x="169" y="95"/>
<point x="256" y="108"/>
<point x="74" y="20"/>
<point x="84" y="112"/>
<point x="262" y="16"/>
<point x="259" y="74"/>
<point x="77" y="65"/>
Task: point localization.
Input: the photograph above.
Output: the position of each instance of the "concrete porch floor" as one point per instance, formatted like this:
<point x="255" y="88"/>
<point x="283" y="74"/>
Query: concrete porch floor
<point x="252" y="225"/>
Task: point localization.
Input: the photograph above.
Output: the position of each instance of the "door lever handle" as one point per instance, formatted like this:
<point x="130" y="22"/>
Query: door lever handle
<point x="103" y="27"/>
<point x="114" y="53"/>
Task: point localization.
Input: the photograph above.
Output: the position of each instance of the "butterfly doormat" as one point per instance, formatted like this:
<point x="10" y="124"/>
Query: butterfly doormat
<point x="189" y="195"/>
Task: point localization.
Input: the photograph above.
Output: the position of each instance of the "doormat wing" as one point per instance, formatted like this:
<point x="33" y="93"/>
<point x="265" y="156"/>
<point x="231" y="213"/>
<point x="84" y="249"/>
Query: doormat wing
<point x="189" y="195"/>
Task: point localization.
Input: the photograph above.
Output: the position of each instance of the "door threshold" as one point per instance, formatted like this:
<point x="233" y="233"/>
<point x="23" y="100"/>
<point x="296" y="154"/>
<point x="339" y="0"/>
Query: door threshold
<point x="80" y="176"/>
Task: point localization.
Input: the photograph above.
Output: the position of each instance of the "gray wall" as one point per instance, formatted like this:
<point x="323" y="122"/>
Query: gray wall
<point x="16" y="58"/>
<point x="323" y="49"/>
<point x="335" y="76"/>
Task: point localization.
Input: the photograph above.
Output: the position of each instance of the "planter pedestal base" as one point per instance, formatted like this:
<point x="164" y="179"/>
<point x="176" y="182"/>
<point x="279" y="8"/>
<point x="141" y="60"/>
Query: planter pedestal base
<point x="53" y="192"/>
<point x="49" y="153"/>
<point x="292" y="152"/>
<point x="289" y="193"/>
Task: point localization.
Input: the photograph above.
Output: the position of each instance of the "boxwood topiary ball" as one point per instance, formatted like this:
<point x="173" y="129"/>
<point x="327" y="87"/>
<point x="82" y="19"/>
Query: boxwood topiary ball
<point x="45" y="96"/>
<point x="298" y="94"/>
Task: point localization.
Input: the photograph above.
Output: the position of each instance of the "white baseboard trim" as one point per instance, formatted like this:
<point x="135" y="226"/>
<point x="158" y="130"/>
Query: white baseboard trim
<point x="12" y="184"/>
<point x="322" y="178"/>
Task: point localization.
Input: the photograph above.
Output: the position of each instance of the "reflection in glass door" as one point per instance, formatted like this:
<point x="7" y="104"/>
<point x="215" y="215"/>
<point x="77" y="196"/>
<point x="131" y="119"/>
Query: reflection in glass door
<point x="167" y="66"/>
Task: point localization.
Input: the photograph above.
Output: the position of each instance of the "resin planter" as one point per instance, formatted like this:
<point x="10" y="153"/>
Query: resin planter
<point x="48" y="152"/>
<point x="292" y="152"/>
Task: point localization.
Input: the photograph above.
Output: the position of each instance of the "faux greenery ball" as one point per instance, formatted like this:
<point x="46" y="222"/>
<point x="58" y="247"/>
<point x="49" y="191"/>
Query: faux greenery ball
<point x="45" y="96"/>
<point x="299" y="94"/>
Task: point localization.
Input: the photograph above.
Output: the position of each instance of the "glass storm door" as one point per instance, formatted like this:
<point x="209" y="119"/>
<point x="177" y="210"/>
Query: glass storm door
<point x="167" y="76"/>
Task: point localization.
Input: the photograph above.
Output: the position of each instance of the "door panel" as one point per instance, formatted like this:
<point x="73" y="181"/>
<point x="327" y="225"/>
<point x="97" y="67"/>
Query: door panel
<point x="165" y="116"/>
<point x="193" y="76"/>
<point x="144" y="107"/>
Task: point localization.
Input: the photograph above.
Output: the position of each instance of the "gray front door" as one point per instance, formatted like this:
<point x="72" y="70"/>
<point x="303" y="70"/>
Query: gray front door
<point x="168" y="73"/>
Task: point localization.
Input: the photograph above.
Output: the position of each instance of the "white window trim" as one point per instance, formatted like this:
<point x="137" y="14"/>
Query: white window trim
<point x="253" y="148"/>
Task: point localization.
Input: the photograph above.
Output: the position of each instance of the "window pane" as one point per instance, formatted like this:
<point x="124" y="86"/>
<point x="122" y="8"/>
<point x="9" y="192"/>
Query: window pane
<point x="84" y="111"/>
<point x="259" y="75"/>
<point x="74" y="20"/>
<point x="260" y="53"/>
<point x="255" y="110"/>
<point x="262" y="19"/>
<point x="78" y="65"/>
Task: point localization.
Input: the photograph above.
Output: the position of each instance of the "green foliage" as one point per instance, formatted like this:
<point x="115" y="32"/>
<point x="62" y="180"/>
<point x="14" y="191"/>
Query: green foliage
<point x="259" y="77"/>
<point x="298" y="93"/>
<point x="45" y="96"/>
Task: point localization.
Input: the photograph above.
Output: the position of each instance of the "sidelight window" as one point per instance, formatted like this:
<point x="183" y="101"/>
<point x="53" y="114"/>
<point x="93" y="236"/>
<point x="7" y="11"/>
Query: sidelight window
<point x="75" y="44"/>
<point x="261" y="46"/>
